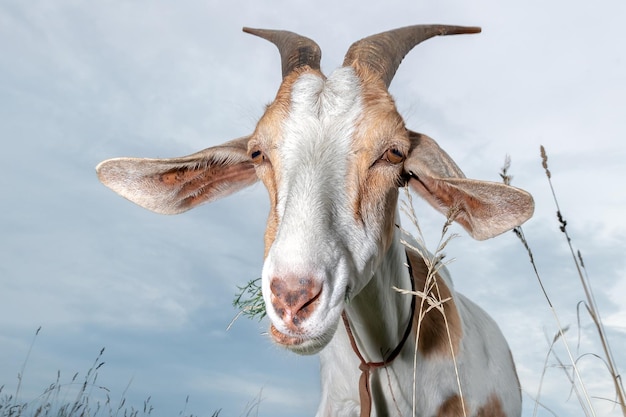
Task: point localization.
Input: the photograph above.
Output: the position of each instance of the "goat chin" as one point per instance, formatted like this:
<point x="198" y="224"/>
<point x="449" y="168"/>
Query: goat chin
<point x="302" y="345"/>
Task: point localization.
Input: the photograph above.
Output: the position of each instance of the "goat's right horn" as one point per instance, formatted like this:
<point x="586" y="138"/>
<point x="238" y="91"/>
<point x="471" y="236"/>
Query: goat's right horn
<point x="384" y="52"/>
<point x="295" y="51"/>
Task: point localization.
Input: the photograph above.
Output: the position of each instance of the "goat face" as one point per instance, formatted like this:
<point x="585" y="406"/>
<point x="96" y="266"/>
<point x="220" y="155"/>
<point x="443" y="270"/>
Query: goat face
<point x="332" y="166"/>
<point x="332" y="153"/>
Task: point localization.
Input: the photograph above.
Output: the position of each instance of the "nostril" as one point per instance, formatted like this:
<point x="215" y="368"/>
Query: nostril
<point x="314" y="299"/>
<point x="295" y="299"/>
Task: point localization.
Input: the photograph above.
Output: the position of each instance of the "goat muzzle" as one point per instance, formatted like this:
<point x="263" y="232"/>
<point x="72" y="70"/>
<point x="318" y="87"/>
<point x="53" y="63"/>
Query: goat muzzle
<point x="294" y="300"/>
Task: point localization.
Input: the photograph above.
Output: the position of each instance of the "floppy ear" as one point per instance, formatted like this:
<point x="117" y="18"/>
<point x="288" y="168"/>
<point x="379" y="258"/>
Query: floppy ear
<point x="171" y="186"/>
<point x="486" y="209"/>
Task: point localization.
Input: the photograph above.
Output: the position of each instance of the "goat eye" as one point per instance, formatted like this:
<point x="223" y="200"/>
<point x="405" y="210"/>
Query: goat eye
<point x="393" y="156"/>
<point x="257" y="156"/>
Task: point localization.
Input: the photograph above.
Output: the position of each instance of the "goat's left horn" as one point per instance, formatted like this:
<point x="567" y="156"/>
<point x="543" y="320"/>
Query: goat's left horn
<point x="384" y="52"/>
<point x="295" y="51"/>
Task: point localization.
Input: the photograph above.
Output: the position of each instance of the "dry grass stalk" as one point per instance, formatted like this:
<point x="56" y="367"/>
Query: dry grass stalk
<point x="584" y="399"/>
<point x="550" y="353"/>
<point x="590" y="303"/>
<point x="430" y="296"/>
<point x="55" y="401"/>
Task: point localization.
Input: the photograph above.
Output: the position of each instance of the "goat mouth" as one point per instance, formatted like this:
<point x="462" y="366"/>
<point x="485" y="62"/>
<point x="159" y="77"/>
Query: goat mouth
<point x="285" y="340"/>
<point x="300" y="344"/>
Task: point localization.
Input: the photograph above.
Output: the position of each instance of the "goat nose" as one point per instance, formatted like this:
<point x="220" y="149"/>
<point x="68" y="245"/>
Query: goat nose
<point x="294" y="299"/>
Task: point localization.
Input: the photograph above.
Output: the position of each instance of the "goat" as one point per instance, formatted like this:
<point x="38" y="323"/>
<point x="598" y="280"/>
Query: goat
<point x="333" y="152"/>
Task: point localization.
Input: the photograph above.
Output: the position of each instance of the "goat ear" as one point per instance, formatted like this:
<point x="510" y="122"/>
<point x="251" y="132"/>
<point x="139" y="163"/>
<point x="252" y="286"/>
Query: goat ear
<point x="485" y="209"/>
<point x="171" y="186"/>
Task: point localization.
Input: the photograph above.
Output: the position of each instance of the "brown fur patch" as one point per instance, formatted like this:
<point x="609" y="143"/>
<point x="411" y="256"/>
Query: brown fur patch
<point x="433" y="337"/>
<point x="379" y="128"/>
<point x="492" y="408"/>
<point x="451" y="407"/>
<point x="374" y="182"/>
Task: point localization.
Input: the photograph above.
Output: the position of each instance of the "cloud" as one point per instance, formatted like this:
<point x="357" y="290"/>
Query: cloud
<point x="83" y="82"/>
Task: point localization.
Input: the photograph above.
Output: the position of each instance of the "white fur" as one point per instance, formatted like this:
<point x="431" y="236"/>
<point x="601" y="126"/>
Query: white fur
<point x="484" y="362"/>
<point x="317" y="236"/>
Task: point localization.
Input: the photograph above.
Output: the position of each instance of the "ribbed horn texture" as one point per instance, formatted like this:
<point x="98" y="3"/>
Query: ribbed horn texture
<point x="384" y="52"/>
<point x="295" y="51"/>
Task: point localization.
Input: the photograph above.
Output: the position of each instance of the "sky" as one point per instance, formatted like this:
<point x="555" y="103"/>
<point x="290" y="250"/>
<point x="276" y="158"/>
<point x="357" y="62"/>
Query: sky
<point x="81" y="82"/>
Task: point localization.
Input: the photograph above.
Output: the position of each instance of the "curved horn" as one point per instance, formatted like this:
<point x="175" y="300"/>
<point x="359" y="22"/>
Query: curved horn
<point x="384" y="52"/>
<point x="295" y="51"/>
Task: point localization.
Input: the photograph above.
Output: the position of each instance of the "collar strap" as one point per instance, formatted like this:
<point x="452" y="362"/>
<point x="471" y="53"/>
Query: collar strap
<point x="365" y="395"/>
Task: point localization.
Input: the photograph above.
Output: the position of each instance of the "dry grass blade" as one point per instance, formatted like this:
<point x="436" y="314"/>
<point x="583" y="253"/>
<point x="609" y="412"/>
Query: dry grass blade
<point x="583" y="396"/>
<point x="557" y="336"/>
<point x="591" y="304"/>
<point x="84" y="398"/>
<point x="519" y="232"/>
<point x="21" y="374"/>
<point x="252" y="407"/>
<point x="430" y="296"/>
